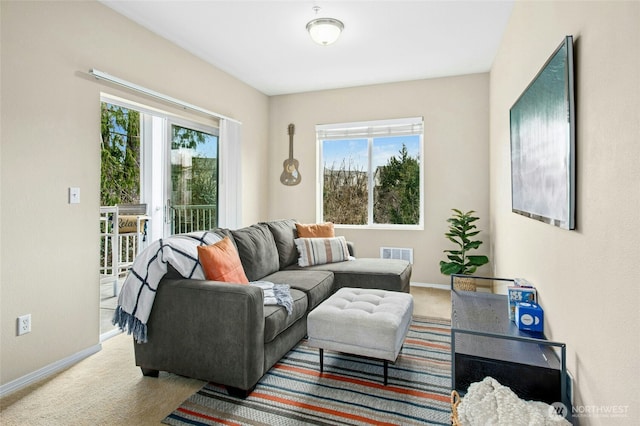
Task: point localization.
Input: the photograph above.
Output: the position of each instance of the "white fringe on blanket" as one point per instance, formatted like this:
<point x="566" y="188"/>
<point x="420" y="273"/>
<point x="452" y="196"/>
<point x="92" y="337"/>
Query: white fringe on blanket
<point x="181" y="251"/>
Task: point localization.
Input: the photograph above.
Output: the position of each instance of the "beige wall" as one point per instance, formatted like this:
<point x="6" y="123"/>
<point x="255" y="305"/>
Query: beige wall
<point x="455" y="112"/>
<point x="587" y="278"/>
<point x="50" y="141"/>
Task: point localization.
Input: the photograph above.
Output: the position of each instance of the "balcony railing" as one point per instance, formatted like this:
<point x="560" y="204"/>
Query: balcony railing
<point x="193" y="218"/>
<point x="123" y="233"/>
<point x="118" y="249"/>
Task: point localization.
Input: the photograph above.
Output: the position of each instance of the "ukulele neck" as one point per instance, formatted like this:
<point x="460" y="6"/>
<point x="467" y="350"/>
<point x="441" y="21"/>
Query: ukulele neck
<point x="290" y="147"/>
<point x="291" y="131"/>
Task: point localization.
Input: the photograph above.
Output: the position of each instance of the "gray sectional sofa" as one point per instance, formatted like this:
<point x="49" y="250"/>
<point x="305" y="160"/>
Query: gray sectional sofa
<point x="222" y="332"/>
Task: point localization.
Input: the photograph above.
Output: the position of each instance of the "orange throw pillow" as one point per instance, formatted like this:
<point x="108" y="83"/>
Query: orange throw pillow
<point x="316" y="230"/>
<point x="221" y="262"/>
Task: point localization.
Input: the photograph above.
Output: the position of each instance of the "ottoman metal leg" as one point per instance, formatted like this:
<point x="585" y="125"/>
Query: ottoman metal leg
<point x="386" y="371"/>
<point x="386" y="366"/>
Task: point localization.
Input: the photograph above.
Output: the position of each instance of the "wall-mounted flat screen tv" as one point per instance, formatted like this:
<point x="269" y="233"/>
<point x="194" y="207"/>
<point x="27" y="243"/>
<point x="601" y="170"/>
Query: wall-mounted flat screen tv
<point x="543" y="137"/>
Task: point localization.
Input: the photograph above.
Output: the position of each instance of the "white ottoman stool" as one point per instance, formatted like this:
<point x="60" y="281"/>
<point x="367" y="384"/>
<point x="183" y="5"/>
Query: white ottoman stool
<point x="358" y="321"/>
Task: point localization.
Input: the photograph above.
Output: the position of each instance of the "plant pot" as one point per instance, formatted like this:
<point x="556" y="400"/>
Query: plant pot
<point x="464" y="283"/>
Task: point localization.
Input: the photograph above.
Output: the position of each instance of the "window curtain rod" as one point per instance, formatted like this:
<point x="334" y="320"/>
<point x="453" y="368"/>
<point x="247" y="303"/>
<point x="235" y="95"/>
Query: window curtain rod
<point x="132" y="86"/>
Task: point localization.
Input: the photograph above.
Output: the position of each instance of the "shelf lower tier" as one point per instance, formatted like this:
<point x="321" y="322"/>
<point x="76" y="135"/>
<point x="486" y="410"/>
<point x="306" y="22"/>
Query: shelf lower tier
<point x="527" y="381"/>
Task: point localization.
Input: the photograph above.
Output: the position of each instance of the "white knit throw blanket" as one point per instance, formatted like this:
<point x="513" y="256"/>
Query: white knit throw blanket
<point x="490" y="403"/>
<point x="181" y="251"/>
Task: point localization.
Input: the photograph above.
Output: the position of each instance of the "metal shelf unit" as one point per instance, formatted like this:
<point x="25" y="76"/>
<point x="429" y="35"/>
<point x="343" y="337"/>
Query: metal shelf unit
<point x="485" y="342"/>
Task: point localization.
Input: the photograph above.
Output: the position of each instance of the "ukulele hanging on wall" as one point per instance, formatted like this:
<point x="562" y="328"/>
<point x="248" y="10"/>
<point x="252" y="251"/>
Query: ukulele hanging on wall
<point x="290" y="175"/>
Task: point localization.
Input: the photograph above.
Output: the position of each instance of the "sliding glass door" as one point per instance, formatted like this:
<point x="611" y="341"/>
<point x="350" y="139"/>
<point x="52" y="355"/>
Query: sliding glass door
<point x="159" y="177"/>
<point x="194" y="179"/>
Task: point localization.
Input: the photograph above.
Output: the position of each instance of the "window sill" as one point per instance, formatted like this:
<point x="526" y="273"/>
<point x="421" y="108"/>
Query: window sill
<point x="382" y="227"/>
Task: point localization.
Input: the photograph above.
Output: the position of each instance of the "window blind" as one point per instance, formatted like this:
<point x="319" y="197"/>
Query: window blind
<point x="367" y="129"/>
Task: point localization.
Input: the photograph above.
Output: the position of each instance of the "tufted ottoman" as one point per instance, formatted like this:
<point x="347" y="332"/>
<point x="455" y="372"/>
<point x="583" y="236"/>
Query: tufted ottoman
<point x="358" y="321"/>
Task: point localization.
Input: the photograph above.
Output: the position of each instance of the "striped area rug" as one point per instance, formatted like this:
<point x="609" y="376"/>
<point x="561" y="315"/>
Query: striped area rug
<point x="349" y="392"/>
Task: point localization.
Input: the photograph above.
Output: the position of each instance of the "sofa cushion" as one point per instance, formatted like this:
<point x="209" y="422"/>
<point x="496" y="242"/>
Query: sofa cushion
<point x="384" y="274"/>
<point x="220" y="262"/>
<point x="258" y="251"/>
<point x="223" y="232"/>
<point x="315" y="230"/>
<point x="318" y="251"/>
<point x="284" y="232"/>
<point x="317" y="285"/>
<point x="276" y="319"/>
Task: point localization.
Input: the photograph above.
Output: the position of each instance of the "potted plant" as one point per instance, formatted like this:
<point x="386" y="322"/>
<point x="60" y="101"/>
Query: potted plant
<point x="461" y="231"/>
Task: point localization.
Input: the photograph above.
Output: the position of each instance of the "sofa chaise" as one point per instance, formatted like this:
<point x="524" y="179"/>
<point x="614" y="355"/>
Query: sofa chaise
<point x="223" y="333"/>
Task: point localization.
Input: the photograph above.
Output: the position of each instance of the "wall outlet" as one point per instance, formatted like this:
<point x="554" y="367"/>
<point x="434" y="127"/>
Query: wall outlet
<point x="24" y="324"/>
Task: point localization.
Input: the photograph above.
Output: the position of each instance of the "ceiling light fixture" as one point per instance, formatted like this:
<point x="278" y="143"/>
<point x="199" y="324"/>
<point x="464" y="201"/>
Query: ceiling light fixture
<point x="324" y="31"/>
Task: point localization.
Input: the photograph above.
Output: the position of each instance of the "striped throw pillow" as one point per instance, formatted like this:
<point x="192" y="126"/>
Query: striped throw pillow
<point x="318" y="251"/>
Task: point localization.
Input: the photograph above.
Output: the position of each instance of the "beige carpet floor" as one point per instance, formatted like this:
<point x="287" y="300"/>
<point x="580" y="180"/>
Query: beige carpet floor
<point x="108" y="389"/>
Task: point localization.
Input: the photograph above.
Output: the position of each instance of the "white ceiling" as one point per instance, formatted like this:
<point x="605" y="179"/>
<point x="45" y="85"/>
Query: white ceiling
<point x="265" y="44"/>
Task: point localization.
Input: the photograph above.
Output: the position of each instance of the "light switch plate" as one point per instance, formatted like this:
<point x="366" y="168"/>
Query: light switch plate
<point x="74" y="195"/>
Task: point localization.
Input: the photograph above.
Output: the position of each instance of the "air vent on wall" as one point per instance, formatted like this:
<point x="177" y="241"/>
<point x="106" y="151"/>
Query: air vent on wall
<point x="397" y="253"/>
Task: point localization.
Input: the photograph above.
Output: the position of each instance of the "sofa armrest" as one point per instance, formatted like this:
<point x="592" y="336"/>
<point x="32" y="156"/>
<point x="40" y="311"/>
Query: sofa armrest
<point x="225" y="322"/>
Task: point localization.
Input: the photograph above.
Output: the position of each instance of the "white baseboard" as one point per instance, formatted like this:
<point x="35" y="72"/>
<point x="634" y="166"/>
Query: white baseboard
<point x="47" y="370"/>
<point x="431" y="285"/>
<point x="109" y="334"/>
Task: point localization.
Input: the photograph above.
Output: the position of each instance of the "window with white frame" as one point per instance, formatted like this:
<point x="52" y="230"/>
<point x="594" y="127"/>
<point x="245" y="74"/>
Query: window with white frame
<point x="371" y="173"/>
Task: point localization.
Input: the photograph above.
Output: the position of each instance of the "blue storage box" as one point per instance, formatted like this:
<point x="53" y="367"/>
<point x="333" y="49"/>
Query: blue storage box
<point x="517" y="294"/>
<point x="529" y="317"/>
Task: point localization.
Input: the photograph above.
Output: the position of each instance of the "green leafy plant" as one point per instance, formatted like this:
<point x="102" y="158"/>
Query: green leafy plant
<point x="461" y="231"/>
